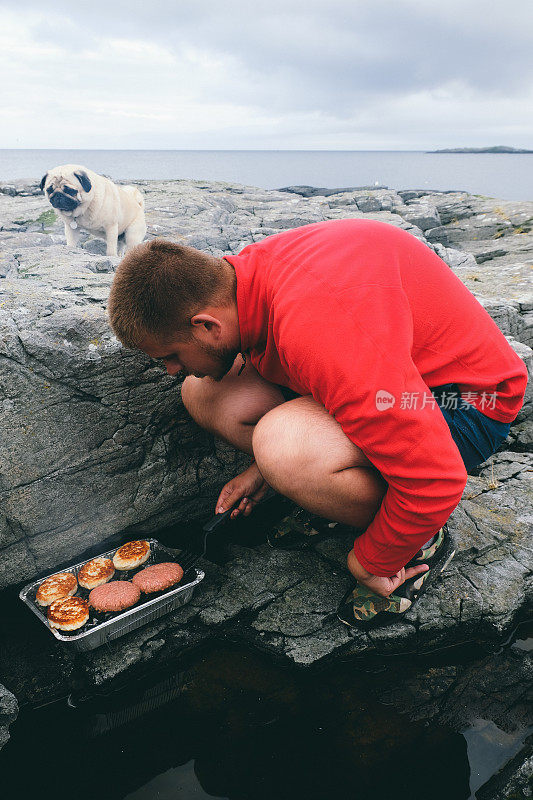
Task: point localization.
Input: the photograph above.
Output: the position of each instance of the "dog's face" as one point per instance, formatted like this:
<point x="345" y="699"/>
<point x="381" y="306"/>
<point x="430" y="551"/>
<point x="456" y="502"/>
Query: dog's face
<point x="65" y="189"/>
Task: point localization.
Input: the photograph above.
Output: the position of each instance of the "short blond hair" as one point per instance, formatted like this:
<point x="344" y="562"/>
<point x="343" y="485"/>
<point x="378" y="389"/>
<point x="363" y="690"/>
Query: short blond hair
<point x="160" y="285"/>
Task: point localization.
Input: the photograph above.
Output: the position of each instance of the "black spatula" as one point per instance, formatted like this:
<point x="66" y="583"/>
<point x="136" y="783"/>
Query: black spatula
<point x="188" y="557"/>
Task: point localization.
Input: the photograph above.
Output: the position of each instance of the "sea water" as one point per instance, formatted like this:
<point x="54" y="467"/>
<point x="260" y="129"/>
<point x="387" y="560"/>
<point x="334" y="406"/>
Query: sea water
<point x="504" y="176"/>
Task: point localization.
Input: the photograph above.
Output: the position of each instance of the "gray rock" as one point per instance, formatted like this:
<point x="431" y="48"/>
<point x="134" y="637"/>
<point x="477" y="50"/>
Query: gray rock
<point x="422" y="214"/>
<point x="456" y="259"/>
<point x="8" y="265"/>
<point x="489" y="700"/>
<point x="368" y="203"/>
<point x="95" y="442"/>
<point x="285" y="602"/>
<point x="20" y="188"/>
<point x="95" y="437"/>
<point x="525" y="334"/>
<point x="521" y="436"/>
<point x="439" y="234"/>
<point x="314" y="191"/>
<point x="410" y="195"/>
<point x="495" y="688"/>
<point x="506" y="316"/>
<point x="453" y="210"/>
<point x="95" y="246"/>
<point x="514" y="781"/>
<point x="8" y="713"/>
<point x="526" y="354"/>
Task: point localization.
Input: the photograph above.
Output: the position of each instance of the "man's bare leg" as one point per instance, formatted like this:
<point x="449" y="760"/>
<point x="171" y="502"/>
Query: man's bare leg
<point x="303" y="453"/>
<point x="231" y="408"/>
<point x="300" y="450"/>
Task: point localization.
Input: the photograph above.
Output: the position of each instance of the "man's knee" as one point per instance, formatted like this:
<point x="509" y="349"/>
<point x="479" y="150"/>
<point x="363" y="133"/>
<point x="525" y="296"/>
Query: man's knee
<point x="195" y="396"/>
<point x="221" y="406"/>
<point x="299" y="440"/>
<point x="301" y="433"/>
<point x="275" y="443"/>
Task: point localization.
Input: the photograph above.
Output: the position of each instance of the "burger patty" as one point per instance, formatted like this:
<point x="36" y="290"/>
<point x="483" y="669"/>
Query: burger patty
<point x="158" y="577"/>
<point x="131" y="555"/>
<point x="114" y="596"/>
<point x="68" y="614"/>
<point x="95" y="572"/>
<point x="56" y="587"/>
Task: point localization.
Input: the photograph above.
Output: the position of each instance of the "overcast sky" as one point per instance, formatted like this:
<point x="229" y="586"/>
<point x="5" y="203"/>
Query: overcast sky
<point x="291" y="74"/>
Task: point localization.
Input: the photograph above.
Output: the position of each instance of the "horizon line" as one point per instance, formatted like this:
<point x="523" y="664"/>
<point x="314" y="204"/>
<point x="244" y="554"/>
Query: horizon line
<point x="245" y="149"/>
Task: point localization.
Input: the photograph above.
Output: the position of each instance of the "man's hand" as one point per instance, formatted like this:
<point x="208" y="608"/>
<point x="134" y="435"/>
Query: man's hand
<point x="382" y="586"/>
<point x="243" y="491"/>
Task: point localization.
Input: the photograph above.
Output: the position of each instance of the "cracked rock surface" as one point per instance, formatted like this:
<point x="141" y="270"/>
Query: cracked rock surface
<point x="514" y="782"/>
<point x="95" y="442"/>
<point x="8" y="713"/>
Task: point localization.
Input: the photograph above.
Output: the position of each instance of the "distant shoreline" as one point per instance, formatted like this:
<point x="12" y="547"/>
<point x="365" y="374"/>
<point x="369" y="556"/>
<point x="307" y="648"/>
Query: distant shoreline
<point x="497" y="149"/>
<point x="504" y="178"/>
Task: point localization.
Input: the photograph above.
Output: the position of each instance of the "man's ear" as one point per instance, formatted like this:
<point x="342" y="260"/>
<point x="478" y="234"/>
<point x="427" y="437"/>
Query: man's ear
<point x="206" y="324"/>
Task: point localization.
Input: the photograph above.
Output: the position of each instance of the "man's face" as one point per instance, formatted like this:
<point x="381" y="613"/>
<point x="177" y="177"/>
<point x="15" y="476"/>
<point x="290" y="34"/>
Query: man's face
<point x="191" y="357"/>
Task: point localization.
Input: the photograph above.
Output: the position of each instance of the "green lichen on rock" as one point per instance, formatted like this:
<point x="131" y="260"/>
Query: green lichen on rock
<point x="47" y="218"/>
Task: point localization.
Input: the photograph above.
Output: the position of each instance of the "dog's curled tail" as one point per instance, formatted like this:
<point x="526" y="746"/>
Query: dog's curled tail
<point x="139" y="196"/>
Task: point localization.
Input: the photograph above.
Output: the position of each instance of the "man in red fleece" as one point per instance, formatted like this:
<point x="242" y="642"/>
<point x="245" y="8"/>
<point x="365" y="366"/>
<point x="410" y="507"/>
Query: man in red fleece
<point x="361" y="320"/>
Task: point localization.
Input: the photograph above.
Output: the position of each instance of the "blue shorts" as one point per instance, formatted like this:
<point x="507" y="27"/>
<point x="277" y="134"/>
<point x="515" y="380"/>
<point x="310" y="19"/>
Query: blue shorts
<point x="476" y="435"/>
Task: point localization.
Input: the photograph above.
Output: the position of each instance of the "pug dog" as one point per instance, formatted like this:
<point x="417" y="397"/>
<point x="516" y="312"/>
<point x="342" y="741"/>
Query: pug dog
<point x="87" y="201"/>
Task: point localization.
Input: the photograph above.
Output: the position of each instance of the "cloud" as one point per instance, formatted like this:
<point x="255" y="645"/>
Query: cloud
<point x="320" y="73"/>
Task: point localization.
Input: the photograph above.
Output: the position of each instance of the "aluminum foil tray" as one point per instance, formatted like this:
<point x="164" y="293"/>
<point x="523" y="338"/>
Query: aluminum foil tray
<point x="104" y="628"/>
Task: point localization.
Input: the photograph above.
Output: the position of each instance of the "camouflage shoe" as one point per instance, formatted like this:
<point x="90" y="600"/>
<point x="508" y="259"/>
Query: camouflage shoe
<point x="299" y="529"/>
<point x="435" y="553"/>
<point x="362" y="608"/>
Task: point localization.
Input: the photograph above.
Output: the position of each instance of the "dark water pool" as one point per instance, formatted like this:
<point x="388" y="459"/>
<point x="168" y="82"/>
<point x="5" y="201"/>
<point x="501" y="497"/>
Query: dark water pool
<point x="235" y="725"/>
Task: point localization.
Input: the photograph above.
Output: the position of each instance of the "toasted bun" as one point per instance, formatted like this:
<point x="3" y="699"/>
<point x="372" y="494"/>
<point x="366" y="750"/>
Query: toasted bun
<point x="131" y="555"/>
<point x="68" y="614"/>
<point x="56" y="587"/>
<point x="158" y="577"/>
<point x="95" y="572"/>
<point x="114" y="596"/>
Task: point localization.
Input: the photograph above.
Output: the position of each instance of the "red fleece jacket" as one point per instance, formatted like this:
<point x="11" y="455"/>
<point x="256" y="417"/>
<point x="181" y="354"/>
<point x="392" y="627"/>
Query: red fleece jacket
<point x="352" y="311"/>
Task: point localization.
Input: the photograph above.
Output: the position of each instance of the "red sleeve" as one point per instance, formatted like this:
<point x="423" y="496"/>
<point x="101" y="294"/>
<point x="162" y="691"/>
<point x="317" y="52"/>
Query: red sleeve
<point x="348" y="346"/>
